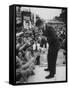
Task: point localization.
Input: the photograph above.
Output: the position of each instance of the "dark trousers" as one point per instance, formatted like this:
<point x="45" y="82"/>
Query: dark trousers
<point x="43" y="44"/>
<point x="38" y="60"/>
<point x="52" y="57"/>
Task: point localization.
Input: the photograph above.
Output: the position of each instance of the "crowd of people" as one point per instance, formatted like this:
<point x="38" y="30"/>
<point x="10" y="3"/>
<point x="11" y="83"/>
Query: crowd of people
<point x="61" y="32"/>
<point x="29" y="45"/>
<point x="27" y="53"/>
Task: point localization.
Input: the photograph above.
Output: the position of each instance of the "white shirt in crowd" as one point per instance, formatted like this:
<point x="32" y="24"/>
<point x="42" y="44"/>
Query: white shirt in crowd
<point x="36" y="45"/>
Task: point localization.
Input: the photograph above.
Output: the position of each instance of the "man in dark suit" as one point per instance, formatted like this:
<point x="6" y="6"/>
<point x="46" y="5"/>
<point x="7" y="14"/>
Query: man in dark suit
<point x="52" y="39"/>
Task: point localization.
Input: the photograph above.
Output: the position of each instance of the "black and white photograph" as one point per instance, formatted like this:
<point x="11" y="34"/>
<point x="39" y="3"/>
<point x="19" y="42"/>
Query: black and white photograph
<point x="41" y="44"/>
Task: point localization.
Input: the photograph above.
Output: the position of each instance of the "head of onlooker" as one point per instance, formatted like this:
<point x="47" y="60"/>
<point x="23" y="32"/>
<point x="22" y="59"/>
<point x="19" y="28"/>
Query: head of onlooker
<point x="39" y="24"/>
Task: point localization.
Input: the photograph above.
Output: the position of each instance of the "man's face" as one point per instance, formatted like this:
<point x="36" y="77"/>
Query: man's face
<point x="17" y="45"/>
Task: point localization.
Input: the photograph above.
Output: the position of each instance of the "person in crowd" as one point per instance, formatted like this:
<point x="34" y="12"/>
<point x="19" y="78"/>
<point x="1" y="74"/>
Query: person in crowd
<point x="52" y="40"/>
<point x="43" y="42"/>
<point x="36" y="47"/>
<point x="25" y="45"/>
<point x="25" y="66"/>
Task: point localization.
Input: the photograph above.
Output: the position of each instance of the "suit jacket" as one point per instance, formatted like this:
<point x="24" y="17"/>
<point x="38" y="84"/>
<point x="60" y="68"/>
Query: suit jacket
<point x="51" y="35"/>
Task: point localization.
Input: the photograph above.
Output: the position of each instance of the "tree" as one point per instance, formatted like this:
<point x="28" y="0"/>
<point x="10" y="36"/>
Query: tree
<point x="63" y="16"/>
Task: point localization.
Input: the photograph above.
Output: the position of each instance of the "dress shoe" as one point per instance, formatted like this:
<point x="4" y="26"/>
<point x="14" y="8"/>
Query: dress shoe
<point x="46" y="69"/>
<point x="50" y="76"/>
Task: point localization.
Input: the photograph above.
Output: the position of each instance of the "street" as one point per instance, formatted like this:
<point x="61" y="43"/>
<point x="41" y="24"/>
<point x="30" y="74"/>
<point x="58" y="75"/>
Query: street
<point x="40" y="73"/>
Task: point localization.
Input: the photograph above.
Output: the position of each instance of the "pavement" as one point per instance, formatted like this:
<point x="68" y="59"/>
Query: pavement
<point x="40" y="74"/>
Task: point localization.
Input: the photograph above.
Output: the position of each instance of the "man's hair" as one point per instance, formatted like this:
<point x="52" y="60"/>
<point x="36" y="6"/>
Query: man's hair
<point x="39" y="22"/>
